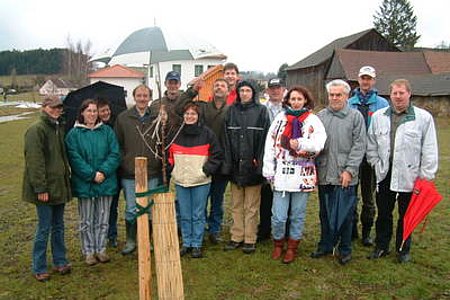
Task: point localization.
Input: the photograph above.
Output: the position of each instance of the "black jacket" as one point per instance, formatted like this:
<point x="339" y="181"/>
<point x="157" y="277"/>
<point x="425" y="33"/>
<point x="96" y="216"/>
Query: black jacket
<point x="246" y="127"/>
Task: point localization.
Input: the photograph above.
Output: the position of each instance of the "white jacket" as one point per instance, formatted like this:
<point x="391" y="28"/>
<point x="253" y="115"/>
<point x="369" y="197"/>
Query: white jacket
<point x="415" y="149"/>
<point x="293" y="174"/>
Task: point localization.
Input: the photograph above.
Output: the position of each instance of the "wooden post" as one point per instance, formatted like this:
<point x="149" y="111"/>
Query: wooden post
<point x="166" y="248"/>
<point x="143" y="235"/>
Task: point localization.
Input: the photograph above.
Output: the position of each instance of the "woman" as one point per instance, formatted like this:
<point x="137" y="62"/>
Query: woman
<point x="194" y="155"/>
<point x="94" y="156"/>
<point x="46" y="184"/>
<point x="295" y="138"/>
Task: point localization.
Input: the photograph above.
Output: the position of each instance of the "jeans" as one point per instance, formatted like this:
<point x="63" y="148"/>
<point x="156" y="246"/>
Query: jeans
<point x="192" y="203"/>
<point x="113" y="215"/>
<point x="50" y="220"/>
<point x="216" y="194"/>
<point x="281" y="202"/>
<point x="129" y="190"/>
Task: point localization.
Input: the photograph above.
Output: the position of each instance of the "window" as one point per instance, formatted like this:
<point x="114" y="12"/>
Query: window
<point x="176" y="68"/>
<point x="198" y="70"/>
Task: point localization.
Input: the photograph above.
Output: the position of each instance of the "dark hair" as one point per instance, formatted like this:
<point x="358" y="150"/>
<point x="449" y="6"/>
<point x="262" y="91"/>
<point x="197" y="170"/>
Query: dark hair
<point x="192" y="105"/>
<point x="101" y="101"/>
<point x="251" y="86"/>
<point x="150" y="92"/>
<point x="83" y="107"/>
<point x="302" y="90"/>
<point x="231" y="66"/>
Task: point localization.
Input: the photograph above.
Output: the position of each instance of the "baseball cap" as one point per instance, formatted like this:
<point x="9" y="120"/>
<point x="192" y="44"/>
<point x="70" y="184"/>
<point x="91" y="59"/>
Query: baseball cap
<point x="367" y="70"/>
<point x="275" y="82"/>
<point x="173" y="75"/>
<point x="52" y="101"/>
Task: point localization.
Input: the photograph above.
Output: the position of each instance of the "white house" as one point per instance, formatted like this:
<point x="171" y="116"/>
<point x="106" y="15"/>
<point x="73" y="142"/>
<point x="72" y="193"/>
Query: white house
<point x="160" y="53"/>
<point x="121" y="76"/>
<point x="56" y="86"/>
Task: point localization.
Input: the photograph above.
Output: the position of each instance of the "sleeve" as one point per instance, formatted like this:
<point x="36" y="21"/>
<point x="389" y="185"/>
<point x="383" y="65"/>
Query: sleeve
<point x="265" y="124"/>
<point x="359" y="145"/>
<point x="215" y="157"/>
<point x="228" y="162"/>
<point x="372" y="145"/>
<point x="78" y="164"/>
<point x="429" y="157"/>
<point x="314" y="139"/>
<point x="269" y="160"/>
<point x="110" y="165"/>
<point x="35" y="159"/>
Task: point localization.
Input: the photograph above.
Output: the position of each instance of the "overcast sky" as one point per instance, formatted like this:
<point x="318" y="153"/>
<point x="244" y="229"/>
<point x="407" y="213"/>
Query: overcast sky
<point x="257" y="35"/>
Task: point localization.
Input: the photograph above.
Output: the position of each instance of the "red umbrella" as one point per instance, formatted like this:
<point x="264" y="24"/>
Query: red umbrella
<point x="424" y="198"/>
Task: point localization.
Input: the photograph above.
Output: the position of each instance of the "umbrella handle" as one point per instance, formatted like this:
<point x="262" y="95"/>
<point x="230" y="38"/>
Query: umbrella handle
<point x="401" y="246"/>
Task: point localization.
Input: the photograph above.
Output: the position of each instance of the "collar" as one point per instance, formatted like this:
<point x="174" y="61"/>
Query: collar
<point x="409" y="114"/>
<point x="340" y="113"/>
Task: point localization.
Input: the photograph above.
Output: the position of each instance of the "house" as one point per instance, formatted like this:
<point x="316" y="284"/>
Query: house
<point x="56" y="86"/>
<point x="312" y="71"/>
<point x="125" y="77"/>
<point x="161" y="51"/>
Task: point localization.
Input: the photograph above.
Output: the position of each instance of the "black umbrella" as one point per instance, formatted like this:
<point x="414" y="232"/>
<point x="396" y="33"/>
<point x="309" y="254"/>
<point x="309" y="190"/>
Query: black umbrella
<point x="113" y="93"/>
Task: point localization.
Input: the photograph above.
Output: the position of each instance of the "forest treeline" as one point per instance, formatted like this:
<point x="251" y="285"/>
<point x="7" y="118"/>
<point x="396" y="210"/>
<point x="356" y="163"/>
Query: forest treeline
<point x="37" y="61"/>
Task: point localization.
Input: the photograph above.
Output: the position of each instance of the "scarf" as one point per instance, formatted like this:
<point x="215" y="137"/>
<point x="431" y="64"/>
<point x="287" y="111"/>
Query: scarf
<point x="293" y="129"/>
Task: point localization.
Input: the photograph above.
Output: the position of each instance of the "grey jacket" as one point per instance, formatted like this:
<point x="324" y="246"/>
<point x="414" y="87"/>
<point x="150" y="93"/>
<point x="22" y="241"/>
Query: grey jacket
<point x="345" y="145"/>
<point x="415" y="151"/>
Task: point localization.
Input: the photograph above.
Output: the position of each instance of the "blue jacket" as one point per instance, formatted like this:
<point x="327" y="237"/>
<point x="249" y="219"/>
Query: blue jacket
<point x="89" y="151"/>
<point x="374" y="102"/>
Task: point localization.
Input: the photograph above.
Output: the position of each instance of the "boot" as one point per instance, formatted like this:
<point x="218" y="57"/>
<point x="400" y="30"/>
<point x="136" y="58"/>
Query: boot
<point x="277" y="248"/>
<point x="130" y="246"/>
<point x="291" y="252"/>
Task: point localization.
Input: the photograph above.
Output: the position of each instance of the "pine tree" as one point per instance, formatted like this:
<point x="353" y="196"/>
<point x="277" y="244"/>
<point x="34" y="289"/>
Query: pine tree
<point x="396" y="21"/>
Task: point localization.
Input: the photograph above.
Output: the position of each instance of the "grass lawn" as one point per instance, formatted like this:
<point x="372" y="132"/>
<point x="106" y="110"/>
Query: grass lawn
<point x="221" y="275"/>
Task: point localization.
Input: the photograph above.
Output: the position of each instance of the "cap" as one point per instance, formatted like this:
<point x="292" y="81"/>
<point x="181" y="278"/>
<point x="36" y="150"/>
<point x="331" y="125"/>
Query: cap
<point x="173" y="75"/>
<point x="367" y="70"/>
<point x="275" y="82"/>
<point x="52" y="101"/>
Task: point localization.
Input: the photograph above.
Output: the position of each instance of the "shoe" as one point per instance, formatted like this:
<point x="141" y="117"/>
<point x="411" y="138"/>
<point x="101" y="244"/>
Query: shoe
<point x="214" y="238"/>
<point x="103" y="257"/>
<point x="343" y="260"/>
<point x="42" y="277"/>
<point x="367" y="241"/>
<point x="404" y="258"/>
<point x="232" y="245"/>
<point x="291" y="252"/>
<point x="184" y="250"/>
<point x="378" y="253"/>
<point x="63" y="270"/>
<point x="112" y="242"/>
<point x="248" y="248"/>
<point x="319" y="253"/>
<point x="91" y="260"/>
<point x="196" y="252"/>
<point x="130" y="246"/>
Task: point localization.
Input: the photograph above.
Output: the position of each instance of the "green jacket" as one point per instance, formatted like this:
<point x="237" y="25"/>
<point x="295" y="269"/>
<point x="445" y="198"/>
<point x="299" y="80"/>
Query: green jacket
<point x="89" y="151"/>
<point x="46" y="165"/>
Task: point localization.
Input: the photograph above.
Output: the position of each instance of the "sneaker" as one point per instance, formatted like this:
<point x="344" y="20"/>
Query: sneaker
<point x="42" y="277"/>
<point x="91" y="260"/>
<point x="378" y="253"/>
<point x="103" y="257"/>
<point x="63" y="270"/>
<point x="404" y="258"/>
<point x="232" y="245"/>
<point x="184" y="250"/>
<point x="248" y="248"/>
<point x="367" y="241"/>
<point x="196" y="252"/>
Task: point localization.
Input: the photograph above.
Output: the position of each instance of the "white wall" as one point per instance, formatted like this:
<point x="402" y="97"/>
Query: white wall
<point x="127" y="83"/>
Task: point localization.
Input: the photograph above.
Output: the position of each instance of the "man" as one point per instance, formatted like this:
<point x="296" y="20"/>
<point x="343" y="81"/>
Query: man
<point x="275" y="90"/>
<point x="366" y="100"/>
<point x="214" y="113"/>
<point x="246" y="126"/>
<point x="46" y="183"/>
<point x="133" y="128"/>
<point x="231" y="75"/>
<point x="402" y="147"/>
<point x="338" y="167"/>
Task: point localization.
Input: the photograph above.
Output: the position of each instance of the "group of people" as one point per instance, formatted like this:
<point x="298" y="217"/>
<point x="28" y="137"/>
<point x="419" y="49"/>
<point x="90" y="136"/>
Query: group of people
<point x="273" y="155"/>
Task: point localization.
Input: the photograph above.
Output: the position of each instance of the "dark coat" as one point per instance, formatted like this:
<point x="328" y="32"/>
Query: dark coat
<point x="46" y="165"/>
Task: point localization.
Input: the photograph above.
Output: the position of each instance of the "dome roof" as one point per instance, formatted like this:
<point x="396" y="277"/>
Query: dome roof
<point x="157" y="46"/>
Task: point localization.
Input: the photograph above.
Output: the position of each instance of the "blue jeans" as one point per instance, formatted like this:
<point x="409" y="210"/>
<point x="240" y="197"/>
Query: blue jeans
<point x="216" y="194"/>
<point x="129" y="190"/>
<point x="50" y="220"/>
<point x="192" y="202"/>
<point x="280" y="207"/>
